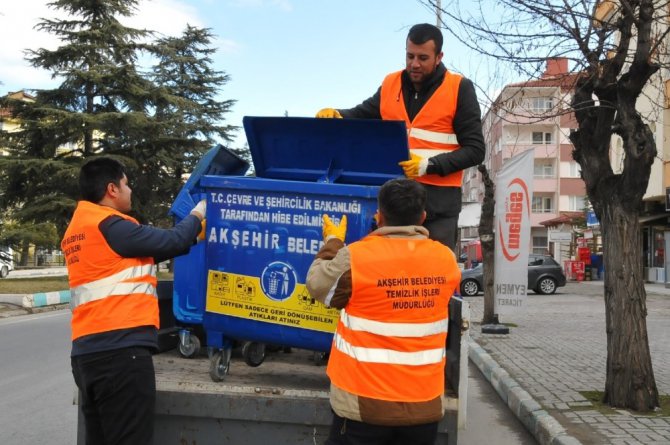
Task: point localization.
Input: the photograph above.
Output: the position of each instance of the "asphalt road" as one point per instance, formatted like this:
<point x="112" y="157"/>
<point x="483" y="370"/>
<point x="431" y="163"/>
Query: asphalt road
<point x="36" y="383"/>
<point x="38" y="389"/>
<point x="489" y="420"/>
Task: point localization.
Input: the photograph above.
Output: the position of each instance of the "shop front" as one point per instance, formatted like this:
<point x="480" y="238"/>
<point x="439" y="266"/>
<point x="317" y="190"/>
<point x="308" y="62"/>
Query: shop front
<point x="655" y="232"/>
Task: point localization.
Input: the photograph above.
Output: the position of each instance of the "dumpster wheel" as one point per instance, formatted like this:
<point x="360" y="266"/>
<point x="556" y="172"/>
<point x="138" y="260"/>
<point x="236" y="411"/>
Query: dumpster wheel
<point x="253" y="353"/>
<point x="219" y="365"/>
<point x="320" y="358"/>
<point x="190" y="347"/>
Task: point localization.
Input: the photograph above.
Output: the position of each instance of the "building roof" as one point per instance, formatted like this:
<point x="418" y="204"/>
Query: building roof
<point x="571" y="218"/>
<point x="20" y="95"/>
<point x="566" y="81"/>
<point x="16" y="95"/>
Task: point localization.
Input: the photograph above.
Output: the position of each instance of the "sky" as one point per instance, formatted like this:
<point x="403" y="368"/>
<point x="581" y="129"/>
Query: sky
<point x="283" y="56"/>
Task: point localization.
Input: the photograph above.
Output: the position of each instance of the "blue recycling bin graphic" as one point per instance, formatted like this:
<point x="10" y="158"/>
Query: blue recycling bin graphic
<point x="278" y="280"/>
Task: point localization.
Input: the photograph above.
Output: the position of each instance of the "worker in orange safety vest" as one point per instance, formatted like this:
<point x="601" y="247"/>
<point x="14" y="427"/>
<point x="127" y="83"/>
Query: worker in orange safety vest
<point x="393" y="287"/>
<point x="111" y="261"/>
<point x="443" y="120"/>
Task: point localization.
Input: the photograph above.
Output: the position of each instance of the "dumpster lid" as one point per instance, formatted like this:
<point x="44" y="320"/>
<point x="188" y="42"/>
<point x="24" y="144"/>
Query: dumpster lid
<point x="217" y="161"/>
<point x="347" y="151"/>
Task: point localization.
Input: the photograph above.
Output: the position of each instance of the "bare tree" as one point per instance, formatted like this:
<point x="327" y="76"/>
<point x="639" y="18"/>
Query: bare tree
<point x="487" y="239"/>
<point x="618" y="55"/>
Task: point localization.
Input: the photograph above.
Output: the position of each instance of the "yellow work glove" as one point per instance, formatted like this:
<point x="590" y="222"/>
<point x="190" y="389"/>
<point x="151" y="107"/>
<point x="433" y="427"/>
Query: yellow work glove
<point x="201" y="235"/>
<point x="330" y="229"/>
<point x="415" y="166"/>
<point x="329" y="113"/>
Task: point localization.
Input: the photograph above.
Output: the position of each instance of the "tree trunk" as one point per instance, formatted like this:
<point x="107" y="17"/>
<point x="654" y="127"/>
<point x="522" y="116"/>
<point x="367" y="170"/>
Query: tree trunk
<point x="25" y="253"/>
<point x="630" y="378"/>
<point x="487" y="239"/>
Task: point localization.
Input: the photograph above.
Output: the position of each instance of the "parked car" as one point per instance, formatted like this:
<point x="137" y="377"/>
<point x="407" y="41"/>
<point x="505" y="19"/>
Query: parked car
<point x="544" y="276"/>
<point x="6" y="261"/>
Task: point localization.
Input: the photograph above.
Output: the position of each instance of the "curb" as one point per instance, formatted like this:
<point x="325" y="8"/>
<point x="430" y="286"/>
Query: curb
<point x="545" y="429"/>
<point x="46" y="299"/>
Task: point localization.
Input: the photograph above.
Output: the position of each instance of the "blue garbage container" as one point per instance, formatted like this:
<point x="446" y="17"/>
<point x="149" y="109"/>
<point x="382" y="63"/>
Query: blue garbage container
<point x="263" y="232"/>
<point x="188" y="297"/>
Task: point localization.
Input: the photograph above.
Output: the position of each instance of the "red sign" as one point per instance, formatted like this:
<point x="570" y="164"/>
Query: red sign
<point x="584" y="254"/>
<point x="574" y="270"/>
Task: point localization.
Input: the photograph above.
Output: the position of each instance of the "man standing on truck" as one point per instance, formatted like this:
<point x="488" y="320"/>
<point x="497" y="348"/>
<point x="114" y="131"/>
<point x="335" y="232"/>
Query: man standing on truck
<point x="444" y="128"/>
<point x="393" y="287"/>
<point x="111" y="261"/>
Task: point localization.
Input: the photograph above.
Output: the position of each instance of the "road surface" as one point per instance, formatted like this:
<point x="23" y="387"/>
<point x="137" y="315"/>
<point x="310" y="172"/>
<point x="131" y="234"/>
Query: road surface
<point x="38" y="389"/>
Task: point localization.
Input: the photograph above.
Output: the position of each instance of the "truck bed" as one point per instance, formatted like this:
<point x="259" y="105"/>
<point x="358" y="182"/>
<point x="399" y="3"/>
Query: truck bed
<point x="283" y="401"/>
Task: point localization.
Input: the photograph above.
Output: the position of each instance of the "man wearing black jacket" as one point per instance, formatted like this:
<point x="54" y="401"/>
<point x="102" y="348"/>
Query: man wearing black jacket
<point x="443" y="120"/>
<point x="111" y="262"/>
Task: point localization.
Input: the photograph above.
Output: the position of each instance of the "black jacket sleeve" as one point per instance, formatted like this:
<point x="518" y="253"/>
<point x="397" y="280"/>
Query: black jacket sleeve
<point x="132" y="240"/>
<point x="369" y="109"/>
<point x="468" y="129"/>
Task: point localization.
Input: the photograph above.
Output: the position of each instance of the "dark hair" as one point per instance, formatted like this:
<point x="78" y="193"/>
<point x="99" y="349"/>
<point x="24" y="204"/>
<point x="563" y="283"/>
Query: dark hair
<point x="96" y="174"/>
<point x="402" y="202"/>
<point x="423" y="32"/>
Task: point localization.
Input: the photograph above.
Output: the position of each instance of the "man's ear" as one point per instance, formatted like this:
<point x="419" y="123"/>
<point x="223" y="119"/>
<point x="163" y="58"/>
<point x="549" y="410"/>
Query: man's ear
<point x="379" y="217"/>
<point x="422" y="219"/>
<point x="112" y="190"/>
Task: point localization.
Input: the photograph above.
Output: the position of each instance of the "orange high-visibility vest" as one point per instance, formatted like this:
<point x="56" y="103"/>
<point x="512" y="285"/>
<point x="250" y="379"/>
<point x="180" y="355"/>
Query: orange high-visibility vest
<point x="108" y="291"/>
<point x="390" y="340"/>
<point x="432" y="130"/>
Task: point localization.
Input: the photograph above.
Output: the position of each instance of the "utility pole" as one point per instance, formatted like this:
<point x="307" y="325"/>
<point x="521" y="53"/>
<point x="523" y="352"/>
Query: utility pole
<point x="438" y="13"/>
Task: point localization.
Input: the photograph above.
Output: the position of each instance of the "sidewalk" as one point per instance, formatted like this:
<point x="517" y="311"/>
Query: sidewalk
<point x="556" y="349"/>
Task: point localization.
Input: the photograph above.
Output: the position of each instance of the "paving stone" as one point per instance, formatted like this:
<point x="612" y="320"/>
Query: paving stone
<point x="559" y="347"/>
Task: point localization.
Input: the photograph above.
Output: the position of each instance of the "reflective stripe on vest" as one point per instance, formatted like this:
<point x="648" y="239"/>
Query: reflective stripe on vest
<point x="389" y="356"/>
<point x="390" y="339"/>
<point x="109" y="292"/>
<point x="431" y="132"/>
<point x="114" y="285"/>
<point x="433" y="136"/>
<point x="393" y="329"/>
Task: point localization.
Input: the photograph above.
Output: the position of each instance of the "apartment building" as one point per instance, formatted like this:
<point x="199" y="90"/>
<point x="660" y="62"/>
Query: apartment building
<point x="536" y="115"/>
<point x="7" y="122"/>
<point x="654" y="107"/>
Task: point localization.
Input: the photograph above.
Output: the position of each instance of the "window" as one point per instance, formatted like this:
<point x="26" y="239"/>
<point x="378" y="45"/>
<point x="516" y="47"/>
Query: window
<point x="541" y="138"/>
<point x="541" y="104"/>
<point x="575" y="170"/>
<point x="543" y="169"/>
<point x="542" y="204"/>
<point x="549" y="261"/>
<point x="539" y="247"/>
<point x="576" y="203"/>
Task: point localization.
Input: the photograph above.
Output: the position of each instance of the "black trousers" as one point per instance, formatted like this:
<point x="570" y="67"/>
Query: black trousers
<point x="443" y="229"/>
<point x="118" y="396"/>
<point x="350" y="432"/>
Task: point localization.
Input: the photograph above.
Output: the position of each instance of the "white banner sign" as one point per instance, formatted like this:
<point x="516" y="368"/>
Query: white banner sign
<point x="558" y="237"/>
<point x="514" y="191"/>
